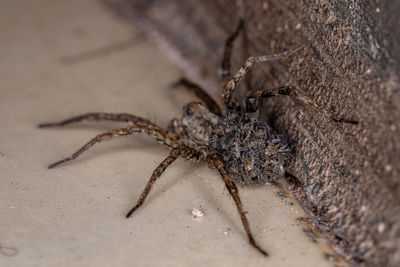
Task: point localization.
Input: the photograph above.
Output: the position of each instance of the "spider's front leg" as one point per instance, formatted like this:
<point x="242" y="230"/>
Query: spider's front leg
<point x="226" y="75"/>
<point x="201" y="94"/>
<point x="233" y="190"/>
<point x="158" y="133"/>
<point x="181" y="150"/>
<point x="97" y="116"/>
<point x="254" y="101"/>
<point x="226" y="60"/>
<point x="226" y="65"/>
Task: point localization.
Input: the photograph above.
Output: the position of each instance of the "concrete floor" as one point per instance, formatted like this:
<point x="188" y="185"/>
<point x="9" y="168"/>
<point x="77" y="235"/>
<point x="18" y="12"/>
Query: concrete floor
<point x="73" y="215"/>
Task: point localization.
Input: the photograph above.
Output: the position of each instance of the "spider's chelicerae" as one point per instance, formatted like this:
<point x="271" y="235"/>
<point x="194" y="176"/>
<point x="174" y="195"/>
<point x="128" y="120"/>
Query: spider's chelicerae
<point x="242" y="148"/>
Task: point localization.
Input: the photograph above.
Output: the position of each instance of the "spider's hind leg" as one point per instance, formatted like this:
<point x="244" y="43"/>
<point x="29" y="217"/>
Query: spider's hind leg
<point x="254" y="101"/>
<point x="233" y="190"/>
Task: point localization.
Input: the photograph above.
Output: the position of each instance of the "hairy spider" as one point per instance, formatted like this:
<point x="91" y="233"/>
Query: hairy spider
<point x="242" y="148"/>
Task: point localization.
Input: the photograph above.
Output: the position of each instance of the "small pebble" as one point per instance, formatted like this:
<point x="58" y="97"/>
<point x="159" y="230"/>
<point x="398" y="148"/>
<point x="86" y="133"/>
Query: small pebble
<point x="197" y="214"/>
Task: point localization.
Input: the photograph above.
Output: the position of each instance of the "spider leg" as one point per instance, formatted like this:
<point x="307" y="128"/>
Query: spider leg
<point x="254" y="100"/>
<point x="226" y="59"/>
<point x="201" y="94"/>
<point x="152" y="130"/>
<point x="96" y="116"/>
<point x="226" y="62"/>
<point x="231" y="85"/>
<point x="181" y="150"/>
<point x="233" y="190"/>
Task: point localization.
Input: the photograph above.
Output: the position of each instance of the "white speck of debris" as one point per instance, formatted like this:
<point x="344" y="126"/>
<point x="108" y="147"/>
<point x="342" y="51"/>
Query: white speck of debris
<point x="197" y="214"/>
<point x="357" y="172"/>
<point x="388" y="167"/>
<point x="393" y="127"/>
<point x="363" y="208"/>
<point x="333" y="209"/>
<point x="378" y="10"/>
<point x="298" y="26"/>
<point x="381" y="227"/>
<point x="368" y="71"/>
<point x="227" y="232"/>
<point x="373" y="47"/>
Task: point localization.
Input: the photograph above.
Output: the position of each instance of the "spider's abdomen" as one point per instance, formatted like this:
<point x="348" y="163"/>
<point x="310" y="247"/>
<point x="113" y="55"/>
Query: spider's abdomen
<point x="252" y="153"/>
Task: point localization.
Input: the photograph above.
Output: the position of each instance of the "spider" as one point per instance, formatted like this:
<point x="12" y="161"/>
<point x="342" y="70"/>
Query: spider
<point x="242" y="148"/>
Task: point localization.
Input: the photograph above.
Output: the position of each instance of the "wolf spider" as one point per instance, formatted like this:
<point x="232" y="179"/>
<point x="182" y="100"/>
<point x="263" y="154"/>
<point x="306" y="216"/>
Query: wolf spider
<point x="243" y="149"/>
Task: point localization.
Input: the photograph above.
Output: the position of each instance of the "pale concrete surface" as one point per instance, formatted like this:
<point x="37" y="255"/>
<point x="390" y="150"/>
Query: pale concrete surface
<point x="73" y="215"/>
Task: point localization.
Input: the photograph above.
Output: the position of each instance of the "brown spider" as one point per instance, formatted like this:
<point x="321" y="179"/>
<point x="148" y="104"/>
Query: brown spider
<point x="243" y="149"/>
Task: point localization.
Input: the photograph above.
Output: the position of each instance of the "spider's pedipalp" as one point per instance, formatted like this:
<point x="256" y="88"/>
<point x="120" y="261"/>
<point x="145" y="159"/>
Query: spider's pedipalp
<point x="158" y="133"/>
<point x="233" y="190"/>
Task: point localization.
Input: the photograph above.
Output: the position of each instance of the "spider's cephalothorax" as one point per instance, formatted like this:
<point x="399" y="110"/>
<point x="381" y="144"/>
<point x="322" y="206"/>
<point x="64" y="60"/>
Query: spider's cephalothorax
<point x="242" y="148"/>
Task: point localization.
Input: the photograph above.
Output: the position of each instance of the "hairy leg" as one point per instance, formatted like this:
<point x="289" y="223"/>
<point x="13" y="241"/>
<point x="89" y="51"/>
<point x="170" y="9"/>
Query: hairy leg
<point x="226" y="60"/>
<point x="233" y="190"/>
<point x="231" y="85"/>
<point x="254" y="100"/>
<point x="201" y="94"/>
<point x="159" y="134"/>
<point x="184" y="151"/>
<point x="96" y="116"/>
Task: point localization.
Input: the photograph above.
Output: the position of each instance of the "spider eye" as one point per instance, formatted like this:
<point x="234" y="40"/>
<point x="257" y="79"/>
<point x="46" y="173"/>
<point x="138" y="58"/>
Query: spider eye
<point x="189" y="112"/>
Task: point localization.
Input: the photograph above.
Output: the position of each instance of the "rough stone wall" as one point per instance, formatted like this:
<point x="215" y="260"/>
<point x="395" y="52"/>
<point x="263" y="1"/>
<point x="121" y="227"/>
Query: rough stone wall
<point x="351" y="65"/>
